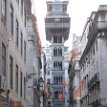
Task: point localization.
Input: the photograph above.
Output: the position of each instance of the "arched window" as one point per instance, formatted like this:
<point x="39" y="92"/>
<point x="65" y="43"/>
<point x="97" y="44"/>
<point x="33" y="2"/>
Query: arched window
<point x="55" y="52"/>
<point x="59" y="52"/>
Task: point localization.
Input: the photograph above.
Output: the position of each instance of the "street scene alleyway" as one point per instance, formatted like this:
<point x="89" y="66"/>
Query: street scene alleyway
<point x="45" y="61"/>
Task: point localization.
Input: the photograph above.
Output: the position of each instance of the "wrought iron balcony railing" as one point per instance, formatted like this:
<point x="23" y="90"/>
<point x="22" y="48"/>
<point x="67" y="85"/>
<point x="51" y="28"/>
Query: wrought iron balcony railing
<point x="94" y="80"/>
<point x="57" y="25"/>
<point x="97" y="26"/>
<point x="58" y="100"/>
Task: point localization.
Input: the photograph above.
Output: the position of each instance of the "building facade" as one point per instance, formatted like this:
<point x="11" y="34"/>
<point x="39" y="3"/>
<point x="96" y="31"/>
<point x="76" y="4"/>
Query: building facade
<point x="3" y="52"/>
<point x="43" y="76"/>
<point x="93" y="61"/>
<point x="19" y="11"/>
<point x="67" y="57"/>
<point x="47" y="51"/>
<point x="33" y="64"/>
<point x="74" y="73"/>
<point x="57" y="25"/>
<point x="13" y="18"/>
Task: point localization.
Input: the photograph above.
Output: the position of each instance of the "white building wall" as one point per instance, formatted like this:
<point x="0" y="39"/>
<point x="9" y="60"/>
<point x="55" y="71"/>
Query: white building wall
<point x="3" y="41"/>
<point x="15" y="52"/>
<point x="94" y="62"/>
<point x="33" y="67"/>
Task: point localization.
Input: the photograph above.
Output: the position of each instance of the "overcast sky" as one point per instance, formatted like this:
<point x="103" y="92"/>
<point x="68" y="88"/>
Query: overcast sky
<point x="78" y="10"/>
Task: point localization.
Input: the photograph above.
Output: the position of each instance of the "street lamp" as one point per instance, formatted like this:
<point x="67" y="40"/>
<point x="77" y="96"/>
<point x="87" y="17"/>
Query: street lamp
<point x="41" y="83"/>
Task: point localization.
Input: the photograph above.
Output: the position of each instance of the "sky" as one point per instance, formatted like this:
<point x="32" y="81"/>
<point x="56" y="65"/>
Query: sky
<point x="78" y="10"/>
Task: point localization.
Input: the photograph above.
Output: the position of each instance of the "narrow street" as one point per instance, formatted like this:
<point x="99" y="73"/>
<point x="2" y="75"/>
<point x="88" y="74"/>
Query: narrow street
<point x="53" y="53"/>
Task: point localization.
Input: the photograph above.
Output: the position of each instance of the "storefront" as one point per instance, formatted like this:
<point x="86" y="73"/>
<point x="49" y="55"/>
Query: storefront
<point x="16" y="104"/>
<point x="3" y="101"/>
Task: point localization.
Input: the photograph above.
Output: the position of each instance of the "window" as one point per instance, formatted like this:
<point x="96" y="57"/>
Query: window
<point x="96" y="43"/>
<point x="48" y="72"/>
<point x="91" y="54"/>
<point x="11" y="19"/>
<point x="57" y="65"/>
<point x="93" y="48"/>
<point x="64" y="7"/>
<point x="11" y="72"/>
<point x="17" y="2"/>
<point x="57" y="52"/>
<point x="49" y="91"/>
<point x="25" y="17"/>
<point x="57" y="8"/>
<point x="58" y="80"/>
<point x="24" y="51"/>
<point x="89" y="58"/>
<point x="4" y="8"/>
<point x="21" y="83"/>
<point x="102" y="17"/>
<point x="17" y="78"/>
<point x="60" y="52"/>
<point x="49" y="103"/>
<point x="3" y="59"/>
<point x="58" y="95"/>
<point x="22" y="7"/>
<point x="24" y="87"/>
<point x="17" y="33"/>
<point x="21" y="41"/>
<point x="49" y="81"/>
<point x="57" y="39"/>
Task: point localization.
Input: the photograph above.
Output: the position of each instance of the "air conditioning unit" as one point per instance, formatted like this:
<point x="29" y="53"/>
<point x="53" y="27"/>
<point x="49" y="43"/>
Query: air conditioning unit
<point x="2" y="83"/>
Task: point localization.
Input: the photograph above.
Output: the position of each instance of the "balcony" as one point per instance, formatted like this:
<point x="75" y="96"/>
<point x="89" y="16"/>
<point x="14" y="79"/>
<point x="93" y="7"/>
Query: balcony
<point x="57" y="25"/>
<point x="95" y="79"/>
<point x="59" y="86"/>
<point x="58" y="71"/>
<point x="94" y="28"/>
<point x="57" y="22"/>
<point x="56" y="86"/>
<point x="102" y="25"/>
<point x="94" y="97"/>
<point x="58" y="102"/>
<point x="58" y="58"/>
<point x="97" y="26"/>
<point x="56" y="99"/>
<point x="51" y="14"/>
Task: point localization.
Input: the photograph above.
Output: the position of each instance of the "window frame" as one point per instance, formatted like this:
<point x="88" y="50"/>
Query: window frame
<point x="17" y="69"/>
<point x="11" y="72"/>
<point x="24" y="50"/>
<point x="21" y="84"/>
<point x="3" y="8"/>
<point x="17" y="33"/>
<point x="4" y="59"/>
<point x="11" y="19"/>
<point x="21" y="43"/>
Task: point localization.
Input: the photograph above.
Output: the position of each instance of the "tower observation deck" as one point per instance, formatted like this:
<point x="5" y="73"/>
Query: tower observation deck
<point x="57" y="19"/>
